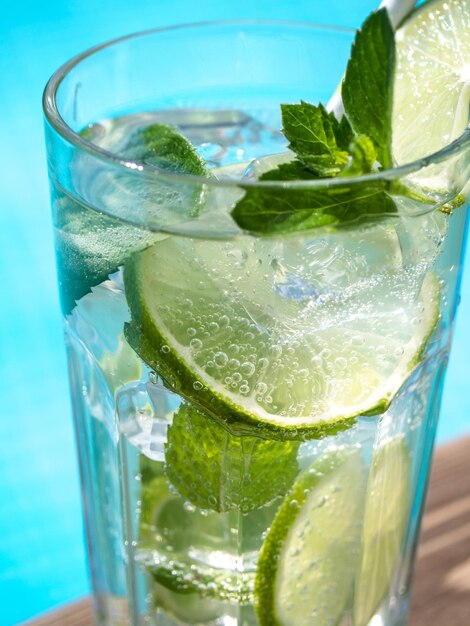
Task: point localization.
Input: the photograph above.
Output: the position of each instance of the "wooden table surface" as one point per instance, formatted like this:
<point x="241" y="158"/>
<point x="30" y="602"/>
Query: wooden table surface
<point x="441" y="590"/>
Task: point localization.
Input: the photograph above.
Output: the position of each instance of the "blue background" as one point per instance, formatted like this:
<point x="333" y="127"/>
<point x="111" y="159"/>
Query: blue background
<point x="42" y="561"/>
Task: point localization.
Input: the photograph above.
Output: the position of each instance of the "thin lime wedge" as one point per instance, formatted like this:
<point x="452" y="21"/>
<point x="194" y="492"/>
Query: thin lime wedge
<point x="432" y="84"/>
<point x="309" y="559"/>
<point x="386" y="513"/>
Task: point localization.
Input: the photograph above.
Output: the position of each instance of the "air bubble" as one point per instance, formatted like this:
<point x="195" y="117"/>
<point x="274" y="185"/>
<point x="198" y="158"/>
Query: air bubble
<point x="197" y="385"/>
<point x="247" y="369"/>
<point x="195" y="344"/>
<point x="224" y="320"/>
<point x="220" y="359"/>
<point x="165" y="349"/>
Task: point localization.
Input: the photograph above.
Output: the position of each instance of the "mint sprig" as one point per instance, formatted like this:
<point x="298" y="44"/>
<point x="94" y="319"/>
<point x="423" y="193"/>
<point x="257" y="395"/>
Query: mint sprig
<point x="360" y="143"/>
<point x="268" y="211"/>
<point x="320" y="142"/>
<point x="367" y="88"/>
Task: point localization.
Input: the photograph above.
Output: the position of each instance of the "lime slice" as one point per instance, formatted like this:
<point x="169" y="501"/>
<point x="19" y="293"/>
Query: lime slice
<point x="386" y="513"/>
<point x="289" y="334"/>
<point x="309" y="559"/>
<point x="432" y="84"/>
<point x="216" y="470"/>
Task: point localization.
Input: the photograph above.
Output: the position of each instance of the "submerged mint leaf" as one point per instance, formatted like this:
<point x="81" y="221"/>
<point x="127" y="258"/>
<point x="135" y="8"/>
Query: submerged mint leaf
<point x="318" y="139"/>
<point x="217" y="470"/>
<point x="363" y="156"/>
<point x="166" y="148"/>
<point x="90" y="246"/>
<point x="293" y="170"/>
<point x="273" y="210"/>
<point x="367" y="89"/>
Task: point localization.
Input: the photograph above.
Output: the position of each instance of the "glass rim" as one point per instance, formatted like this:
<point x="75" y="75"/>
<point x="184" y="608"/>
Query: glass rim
<point x="53" y="116"/>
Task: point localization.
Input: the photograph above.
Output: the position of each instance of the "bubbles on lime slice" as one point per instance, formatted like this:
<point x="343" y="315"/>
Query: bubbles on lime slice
<point x="309" y="559"/>
<point x="387" y="507"/>
<point x="432" y="91"/>
<point x="286" y="335"/>
<point x="432" y="85"/>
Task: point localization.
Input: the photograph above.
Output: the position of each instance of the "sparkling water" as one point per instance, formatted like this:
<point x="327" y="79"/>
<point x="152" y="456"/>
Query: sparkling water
<point x="180" y="500"/>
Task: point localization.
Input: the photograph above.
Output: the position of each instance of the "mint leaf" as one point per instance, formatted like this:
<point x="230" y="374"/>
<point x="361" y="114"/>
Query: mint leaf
<point x="293" y="170"/>
<point x="217" y="470"/>
<point x="318" y="139"/>
<point x="167" y="149"/>
<point x="358" y="144"/>
<point x="89" y="247"/>
<point x="270" y="211"/>
<point x="363" y="157"/>
<point x="367" y="89"/>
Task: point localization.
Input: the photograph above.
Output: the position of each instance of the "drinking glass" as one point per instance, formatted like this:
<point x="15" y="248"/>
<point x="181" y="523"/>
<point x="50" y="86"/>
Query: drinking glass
<point x="255" y="414"/>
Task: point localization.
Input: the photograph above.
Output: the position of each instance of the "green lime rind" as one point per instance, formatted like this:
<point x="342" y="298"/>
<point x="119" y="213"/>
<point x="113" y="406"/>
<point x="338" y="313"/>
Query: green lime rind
<point x="217" y="470"/>
<point x="386" y="513"/>
<point x="309" y="558"/>
<point x="177" y="375"/>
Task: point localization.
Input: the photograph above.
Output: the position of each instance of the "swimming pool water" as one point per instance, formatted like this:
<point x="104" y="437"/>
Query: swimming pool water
<point x="42" y="561"/>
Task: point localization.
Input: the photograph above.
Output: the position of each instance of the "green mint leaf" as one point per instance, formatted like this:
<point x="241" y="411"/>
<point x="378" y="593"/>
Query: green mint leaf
<point x="367" y="89"/>
<point x="167" y="149"/>
<point x="89" y="247"/>
<point x="270" y="211"/>
<point x="217" y="470"/>
<point x="293" y="170"/>
<point x="363" y="157"/>
<point x="318" y="139"/>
